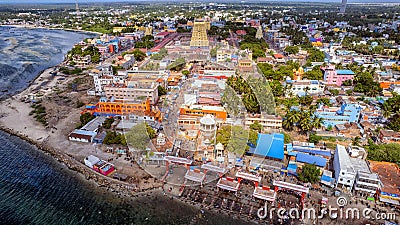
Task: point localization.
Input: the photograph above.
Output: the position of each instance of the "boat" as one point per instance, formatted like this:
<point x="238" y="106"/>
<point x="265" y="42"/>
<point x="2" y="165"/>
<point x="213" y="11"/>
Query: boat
<point x="99" y="165"/>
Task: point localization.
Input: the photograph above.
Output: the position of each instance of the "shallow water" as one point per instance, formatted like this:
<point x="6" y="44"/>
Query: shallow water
<point x="26" y="52"/>
<point x="35" y="189"/>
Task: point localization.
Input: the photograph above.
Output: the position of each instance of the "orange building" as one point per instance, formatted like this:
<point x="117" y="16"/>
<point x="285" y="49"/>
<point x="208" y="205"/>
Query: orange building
<point x="386" y="84"/>
<point x="118" y="108"/>
<point x="199" y="110"/>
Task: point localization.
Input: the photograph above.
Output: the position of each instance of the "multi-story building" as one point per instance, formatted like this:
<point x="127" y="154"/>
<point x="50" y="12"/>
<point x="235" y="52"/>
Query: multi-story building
<point x="82" y="61"/>
<point x="218" y="112"/>
<point x="269" y="122"/>
<point x="337" y="77"/>
<point x="389" y="136"/>
<point x="126" y="108"/>
<point x="345" y="174"/>
<point x="224" y="55"/>
<point x="132" y="91"/>
<point x="102" y="76"/>
<point x="354" y="172"/>
<point x="332" y="116"/>
<point x="304" y="87"/>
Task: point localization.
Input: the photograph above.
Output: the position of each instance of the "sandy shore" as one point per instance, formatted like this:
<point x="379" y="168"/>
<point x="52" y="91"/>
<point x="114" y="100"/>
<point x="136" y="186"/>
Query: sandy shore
<point x="62" y="118"/>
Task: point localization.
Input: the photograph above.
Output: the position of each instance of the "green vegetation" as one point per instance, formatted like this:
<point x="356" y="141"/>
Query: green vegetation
<point x="391" y="110"/>
<point x="383" y="152"/>
<point x="138" y="137"/>
<point x="309" y="173"/>
<point x="85" y="118"/>
<point x="280" y="73"/>
<point x="161" y="90"/>
<point x="107" y="123"/>
<point x="39" y="113"/>
<point x="160" y="55"/>
<point x="364" y="83"/>
<point x="256" y="126"/>
<point x="287" y="139"/>
<point x="257" y="46"/>
<point x="177" y="65"/>
<point x="242" y="88"/>
<point x="150" y="131"/>
<point x="324" y="101"/>
<point x="304" y="120"/>
<point x="90" y="50"/>
<point x="113" y="138"/>
<point x="313" y="138"/>
<point x="146" y="42"/>
<point x="235" y="138"/>
<point x="292" y="50"/>
<point x="67" y="71"/>
<point x="314" y="74"/>
<point x="315" y="55"/>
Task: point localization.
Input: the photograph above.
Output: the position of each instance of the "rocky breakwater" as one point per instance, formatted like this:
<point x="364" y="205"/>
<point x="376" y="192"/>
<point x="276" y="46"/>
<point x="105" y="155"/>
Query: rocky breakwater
<point x="115" y="186"/>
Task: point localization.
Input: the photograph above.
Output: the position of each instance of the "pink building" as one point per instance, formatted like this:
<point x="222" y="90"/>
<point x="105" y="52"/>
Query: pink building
<point x="333" y="76"/>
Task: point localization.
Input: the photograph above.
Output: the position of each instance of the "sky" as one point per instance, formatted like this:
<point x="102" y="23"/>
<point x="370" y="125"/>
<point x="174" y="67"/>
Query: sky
<point x="91" y="1"/>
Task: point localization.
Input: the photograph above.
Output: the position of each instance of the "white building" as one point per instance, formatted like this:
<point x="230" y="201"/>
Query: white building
<point x="345" y="174"/>
<point x="303" y="87"/>
<point x="269" y="122"/>
<point x="353" y="172"/>
<point x="103" y="76"/>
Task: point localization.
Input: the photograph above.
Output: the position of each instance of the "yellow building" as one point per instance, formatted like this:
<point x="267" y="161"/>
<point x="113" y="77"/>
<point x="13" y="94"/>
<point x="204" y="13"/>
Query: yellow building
<point x="118" y="29"/>
<point x="199" y="34"/>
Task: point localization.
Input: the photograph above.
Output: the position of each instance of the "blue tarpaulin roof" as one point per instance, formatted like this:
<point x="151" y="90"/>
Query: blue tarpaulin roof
<point x="269" y="145"/>
<point x="345" y="72"/>
<point x="311" y="159"/>
<point x="326" y="178"/>
<point x="315" y="152"/>
<point x="292" y="167"/>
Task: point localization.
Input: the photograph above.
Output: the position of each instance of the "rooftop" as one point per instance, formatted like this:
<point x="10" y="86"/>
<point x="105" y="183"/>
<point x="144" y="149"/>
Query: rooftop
<point x="269" y="145"/>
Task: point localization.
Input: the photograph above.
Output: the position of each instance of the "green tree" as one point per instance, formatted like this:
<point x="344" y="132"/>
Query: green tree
<point x="309" y="173"/>
<point x="139" y="55"/>
<point x="313" y="138"/>
<point x="256" y="126"/>
<point x="293" y="50"/>
<point x="324" y="101"/>
<point x="185" y="72"/>
<point x="161" y="90"/>
<point x="314" y="74"/>
<point x="138" y="137"/>
<point x="85" y="118"/>
<point x="107" y="123"/>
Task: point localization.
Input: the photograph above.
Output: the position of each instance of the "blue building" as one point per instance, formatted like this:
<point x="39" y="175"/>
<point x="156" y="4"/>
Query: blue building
<point x="346" y="113"/>
<point x="269" y="146"/>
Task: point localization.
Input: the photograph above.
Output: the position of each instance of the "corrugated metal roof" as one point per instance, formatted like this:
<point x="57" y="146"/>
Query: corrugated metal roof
<point x="311" y="159"/>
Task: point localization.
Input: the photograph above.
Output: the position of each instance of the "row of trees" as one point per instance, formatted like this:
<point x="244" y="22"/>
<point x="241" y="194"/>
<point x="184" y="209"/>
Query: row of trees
<point x="383" y="152"/>
<point x="242" y="88"/>
<point x="304" y="120"/>
<point x="391" y="110"/>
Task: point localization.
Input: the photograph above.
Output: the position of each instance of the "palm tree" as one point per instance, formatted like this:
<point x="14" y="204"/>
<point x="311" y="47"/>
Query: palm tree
<point x="317" y="122"/>
<point x="387" y="111"/>
<point x="356" y="141"/>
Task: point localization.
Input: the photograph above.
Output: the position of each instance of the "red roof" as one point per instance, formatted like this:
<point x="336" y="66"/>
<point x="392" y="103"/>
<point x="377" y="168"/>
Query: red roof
<point x="164" y="33"/>
<point x="241" y="32"/>
<point x="278" y="56"/>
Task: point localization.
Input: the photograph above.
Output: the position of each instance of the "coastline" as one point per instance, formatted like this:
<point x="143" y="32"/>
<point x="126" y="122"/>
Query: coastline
<point x="16" y="121"/>
<point x="51" y="28"/>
